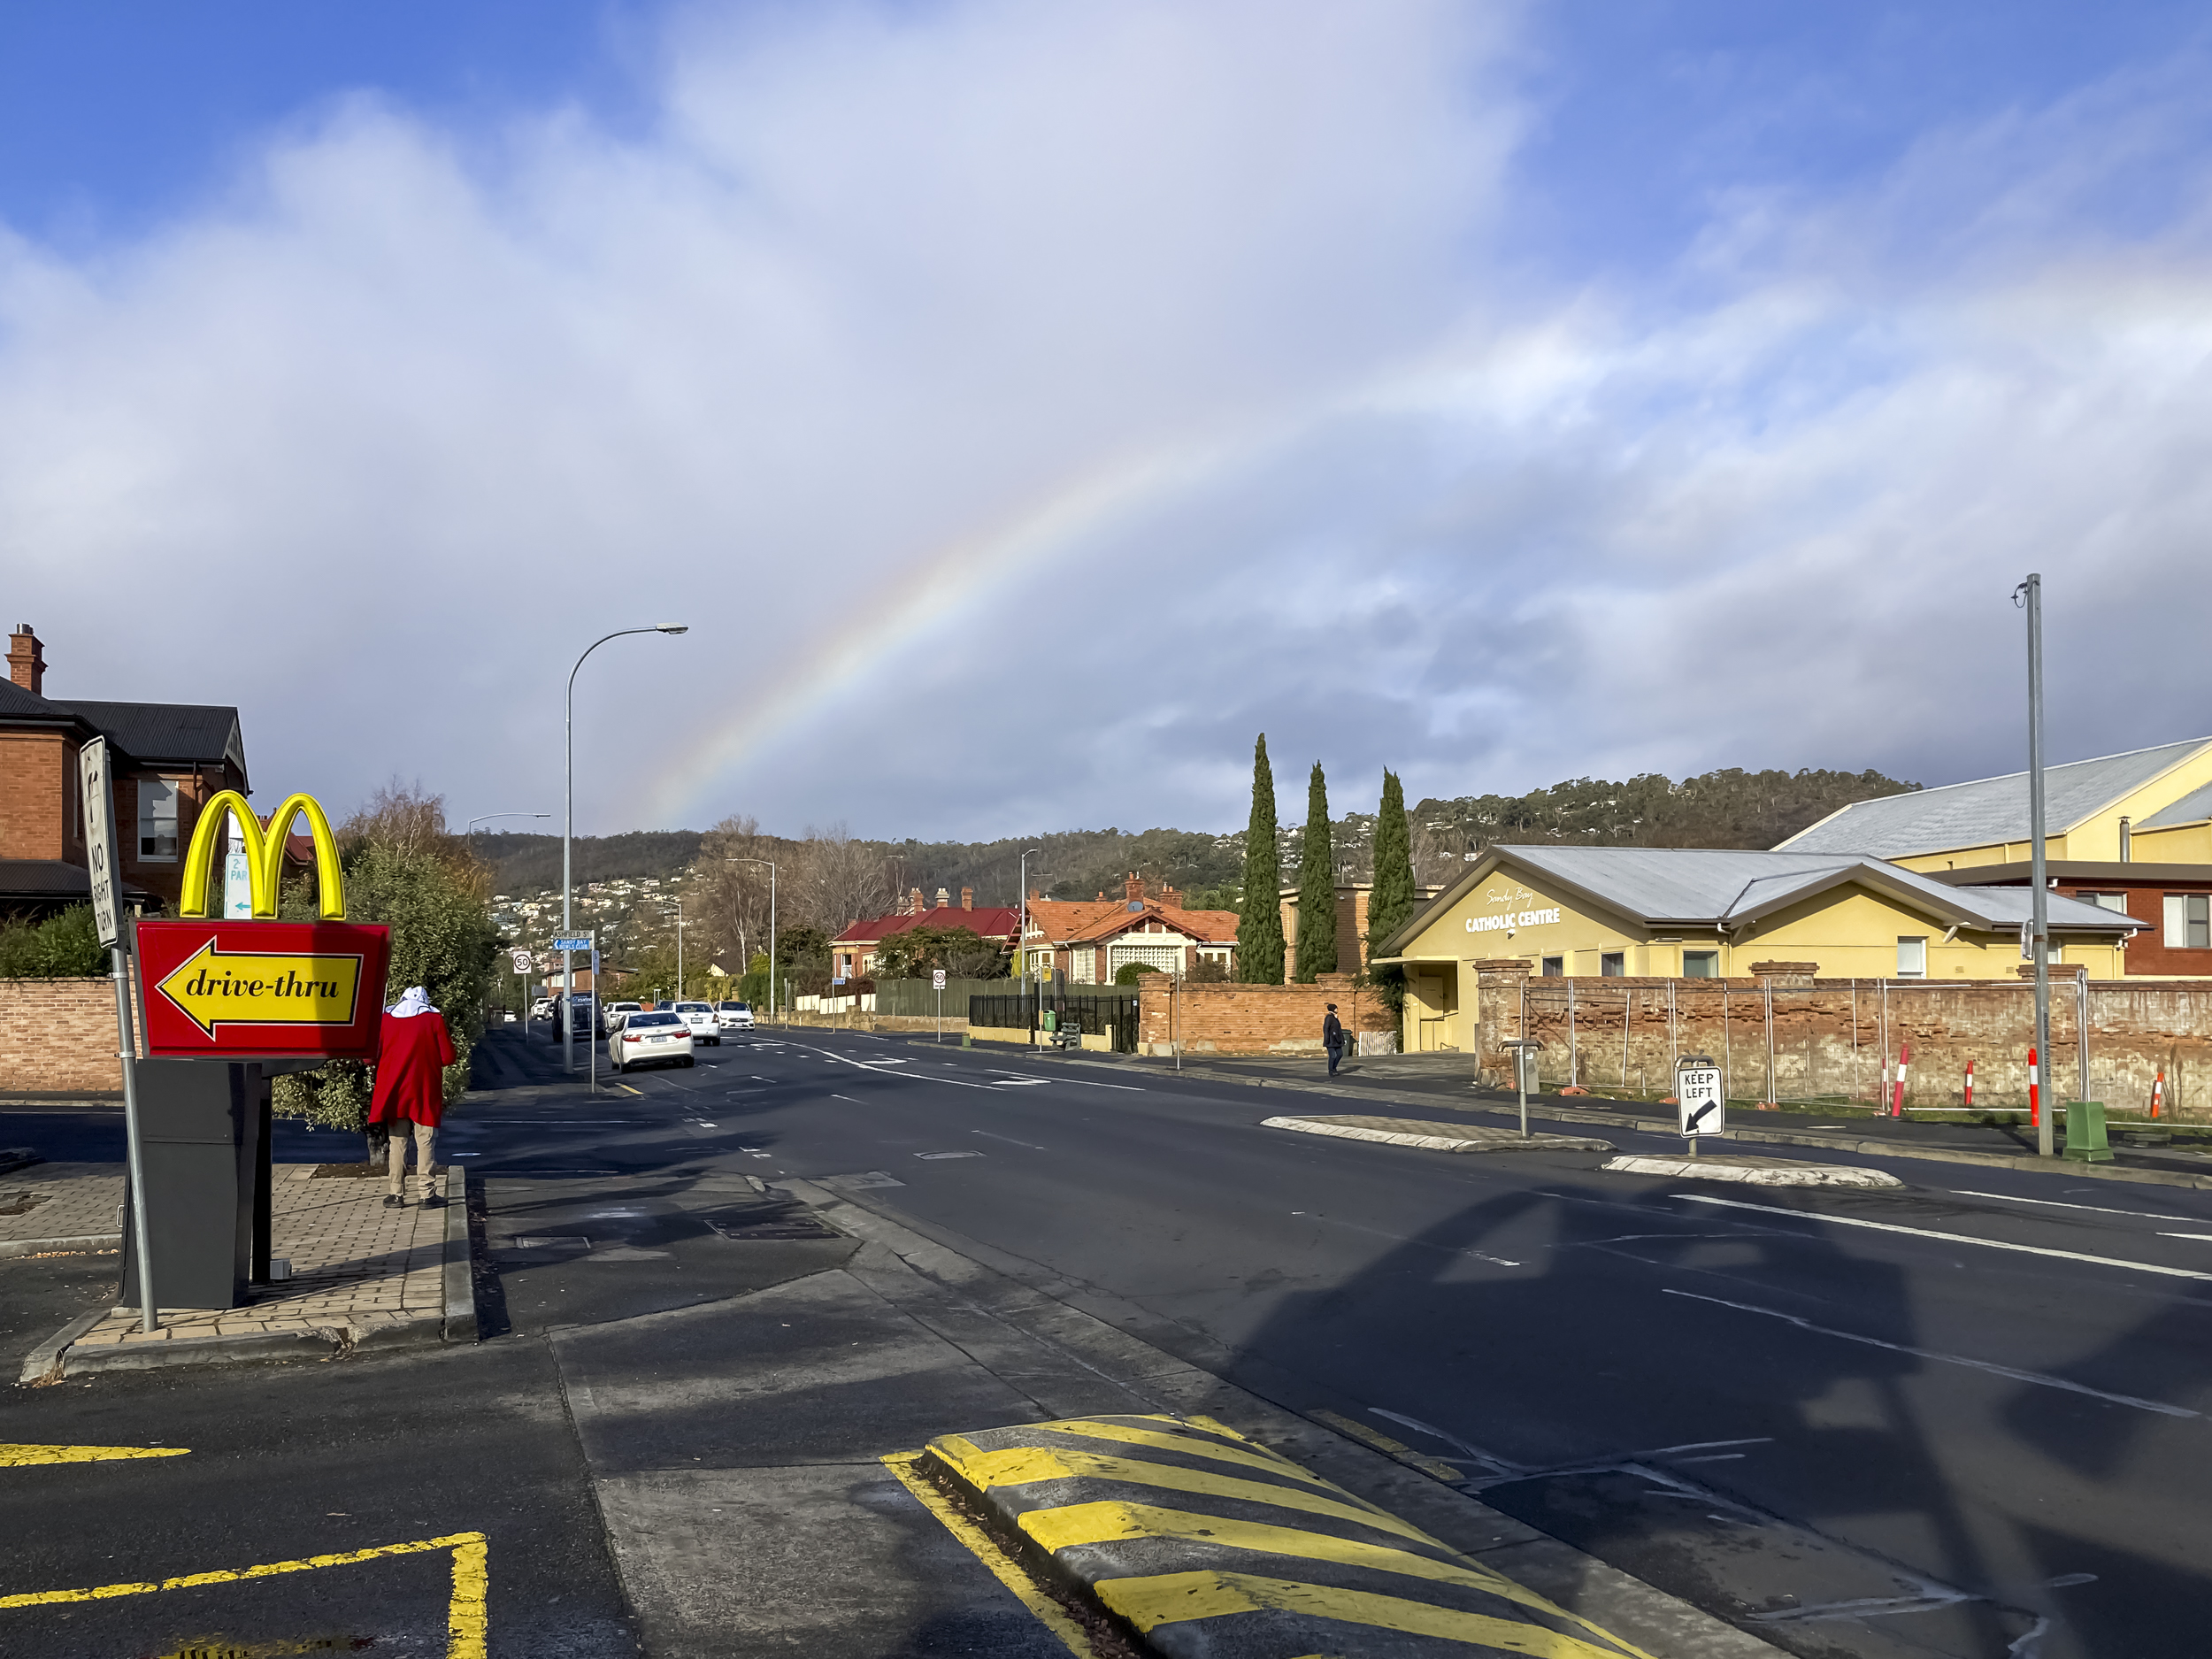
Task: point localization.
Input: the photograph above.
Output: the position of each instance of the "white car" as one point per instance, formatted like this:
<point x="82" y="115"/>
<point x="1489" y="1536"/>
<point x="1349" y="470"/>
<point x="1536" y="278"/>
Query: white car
<point x="542" y="1009"/>
<point x="648" y="1039"/>
<point x="734" y="1016"/>
<point x="700" y="1017"/>
<point x="616" y="1012"/>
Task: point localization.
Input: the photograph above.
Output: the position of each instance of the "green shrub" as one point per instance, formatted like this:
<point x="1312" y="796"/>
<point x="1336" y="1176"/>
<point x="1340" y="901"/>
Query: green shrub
<point x="63" y="946"/>
<point x="1130" y="972"/>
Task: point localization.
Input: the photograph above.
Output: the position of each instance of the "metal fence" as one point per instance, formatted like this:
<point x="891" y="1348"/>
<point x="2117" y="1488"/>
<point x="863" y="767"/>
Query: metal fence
<point x="917" y="998"/>
<point x="1843" y="1041"/>
<point x="1093" y="1013"/>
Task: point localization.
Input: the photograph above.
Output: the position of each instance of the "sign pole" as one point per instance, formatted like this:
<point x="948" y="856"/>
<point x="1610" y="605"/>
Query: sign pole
<point x="2030" y="593"/>
<point x="98" y="793"/>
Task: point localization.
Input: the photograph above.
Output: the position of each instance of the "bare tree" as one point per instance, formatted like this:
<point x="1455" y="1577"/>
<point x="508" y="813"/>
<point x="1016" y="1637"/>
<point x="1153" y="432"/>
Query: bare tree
<point x="841" y="879"/>
<point x="733" y="899"/>
<point x="402" y="817"/>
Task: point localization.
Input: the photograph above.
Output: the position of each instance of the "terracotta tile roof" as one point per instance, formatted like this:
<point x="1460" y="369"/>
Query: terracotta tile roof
<point x="986" y="921"/>
<point x="1083" y="921"/>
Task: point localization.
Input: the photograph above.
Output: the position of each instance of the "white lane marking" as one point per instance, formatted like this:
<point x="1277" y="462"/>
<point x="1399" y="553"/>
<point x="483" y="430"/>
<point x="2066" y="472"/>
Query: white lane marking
<point x="1009" y="1140"/>
<point x="2041" y="1379"/>
<point x="949" y="1155"/>
<point x="1021" y="1082"/>
<point x="848" y="1099"/>
<point x="2057" y="1203"/>
<point x="1946" y="1237"/>
<point x="2201" y="1238"/>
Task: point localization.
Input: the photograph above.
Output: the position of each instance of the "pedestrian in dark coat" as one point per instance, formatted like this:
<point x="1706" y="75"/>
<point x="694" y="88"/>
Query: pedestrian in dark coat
<point x="1333" y="1038"/>
<point x="413" y="1049"/>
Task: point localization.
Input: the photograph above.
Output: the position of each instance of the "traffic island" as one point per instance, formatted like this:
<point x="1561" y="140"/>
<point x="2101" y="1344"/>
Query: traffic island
<point x="1750" y="1169"/>
<point x="1436" y="1137"/>
<point x="1196" y="1542"/>
<point x="361" y="1276"/>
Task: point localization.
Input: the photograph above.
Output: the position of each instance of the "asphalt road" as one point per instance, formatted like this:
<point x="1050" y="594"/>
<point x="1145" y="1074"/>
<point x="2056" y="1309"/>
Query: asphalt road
<point x="1969" y="1417"/>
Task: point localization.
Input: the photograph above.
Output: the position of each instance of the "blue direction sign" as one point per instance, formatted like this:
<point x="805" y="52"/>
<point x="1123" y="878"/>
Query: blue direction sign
<point x="583" y="942"/>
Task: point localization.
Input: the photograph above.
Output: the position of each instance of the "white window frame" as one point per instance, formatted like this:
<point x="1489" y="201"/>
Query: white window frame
<point x="152" y="793"/>
<point x="2184" y="930"/>
<point x="1912" y="956"/>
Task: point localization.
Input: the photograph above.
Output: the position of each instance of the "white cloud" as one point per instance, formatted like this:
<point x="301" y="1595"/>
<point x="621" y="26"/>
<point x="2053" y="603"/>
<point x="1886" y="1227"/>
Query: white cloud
<point x="1027" y="404"/>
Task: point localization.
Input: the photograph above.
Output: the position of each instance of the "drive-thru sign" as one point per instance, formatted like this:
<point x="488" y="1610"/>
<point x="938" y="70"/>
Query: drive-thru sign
<point x="1697" y="1086"/>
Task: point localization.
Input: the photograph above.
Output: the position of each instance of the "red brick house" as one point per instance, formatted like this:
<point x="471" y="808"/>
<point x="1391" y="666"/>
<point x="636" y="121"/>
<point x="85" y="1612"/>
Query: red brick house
<point x="853" y="952"/>
<point x="168" y="759"/>
<point x="1091" y="940"/>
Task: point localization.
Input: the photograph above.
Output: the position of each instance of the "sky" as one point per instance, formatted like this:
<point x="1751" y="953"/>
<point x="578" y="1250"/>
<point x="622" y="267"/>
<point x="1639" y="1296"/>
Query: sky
<point x="1024" y="406"/>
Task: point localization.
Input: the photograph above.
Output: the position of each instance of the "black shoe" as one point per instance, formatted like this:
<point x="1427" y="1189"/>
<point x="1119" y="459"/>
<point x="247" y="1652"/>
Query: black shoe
<point x="433" y="1202"/>
<point x="393" y="1201"/>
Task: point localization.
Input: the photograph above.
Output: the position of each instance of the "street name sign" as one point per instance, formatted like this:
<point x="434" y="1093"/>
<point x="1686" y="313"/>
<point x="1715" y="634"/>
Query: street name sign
<point x="223" y="990"/>
<point x="582" y="941"/>
<point x="98" y="796"/>
<point x="1697" y="1087"/>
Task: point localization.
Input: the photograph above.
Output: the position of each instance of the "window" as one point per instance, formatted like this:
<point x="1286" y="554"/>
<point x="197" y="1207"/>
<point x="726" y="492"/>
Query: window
<point x="1555" y="967"/>
<point x="2189" y="921"/>
<point x="1613" y="964"/>
<point x="1701" y="964"/>
<point x="156" y="818"/>
<point x="2109" y="901"/>
<point x="1912" y="957"/>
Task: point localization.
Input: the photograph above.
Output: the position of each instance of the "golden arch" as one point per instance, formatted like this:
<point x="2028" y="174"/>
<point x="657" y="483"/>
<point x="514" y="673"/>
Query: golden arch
<point x="264" y="855"/>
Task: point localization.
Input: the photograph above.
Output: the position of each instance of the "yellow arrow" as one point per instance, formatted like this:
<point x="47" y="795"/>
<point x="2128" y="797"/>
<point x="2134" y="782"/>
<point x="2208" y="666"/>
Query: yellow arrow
<point x="263" y="988"/>
<point x="20" y="1457"/>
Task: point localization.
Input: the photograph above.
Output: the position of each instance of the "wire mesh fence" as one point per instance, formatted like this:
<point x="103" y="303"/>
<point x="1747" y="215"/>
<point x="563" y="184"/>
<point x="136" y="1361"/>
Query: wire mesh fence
<point x="1950" y="1047"/>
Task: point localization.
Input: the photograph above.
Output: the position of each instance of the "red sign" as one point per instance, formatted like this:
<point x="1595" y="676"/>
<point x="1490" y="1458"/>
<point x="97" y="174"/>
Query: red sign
<point x="262" y="990"/>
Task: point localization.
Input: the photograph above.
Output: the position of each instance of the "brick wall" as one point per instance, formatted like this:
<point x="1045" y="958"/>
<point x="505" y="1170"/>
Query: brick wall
<point x="32" y="808"/>
<point x="58" y="1036"/>
<point x="1828" y="1039"/>
<point x="1219" y="1019"/>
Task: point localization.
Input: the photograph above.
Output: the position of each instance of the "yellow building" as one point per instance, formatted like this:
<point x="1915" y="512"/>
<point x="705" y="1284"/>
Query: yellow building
<point x="1699" y="913"/>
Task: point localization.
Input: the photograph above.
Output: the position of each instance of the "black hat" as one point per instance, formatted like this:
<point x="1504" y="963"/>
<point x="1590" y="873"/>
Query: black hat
<point x="1332" y="1008"/>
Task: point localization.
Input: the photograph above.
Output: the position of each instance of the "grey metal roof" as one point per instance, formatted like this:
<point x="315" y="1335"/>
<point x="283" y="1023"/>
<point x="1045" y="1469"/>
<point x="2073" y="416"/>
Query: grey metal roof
<point x="1989" y="809"/>
<point x="17" y="703"/>
<point x="2192" y="808"/>
<point x="156" y="732"/>
<point x="1726" y="887"/>
<point x="50" y="878"/>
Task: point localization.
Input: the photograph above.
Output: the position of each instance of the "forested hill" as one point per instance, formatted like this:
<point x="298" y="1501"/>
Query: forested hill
<point x="1730" y="808"/>
<point x="532" y="863"/>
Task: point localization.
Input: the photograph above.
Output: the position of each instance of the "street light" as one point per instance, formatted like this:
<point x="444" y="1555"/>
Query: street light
<point x="468" y="836"/>
<point x="771" y="922"/>
<point x="1021" y="940"/>
<point x="568" y="834"/>
<point x="2029" y="595"/>
<point x="679" y="950"/>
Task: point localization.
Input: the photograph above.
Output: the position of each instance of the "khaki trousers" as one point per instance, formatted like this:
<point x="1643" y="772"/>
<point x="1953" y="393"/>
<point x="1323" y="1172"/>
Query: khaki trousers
<point x="426" y="1146"/>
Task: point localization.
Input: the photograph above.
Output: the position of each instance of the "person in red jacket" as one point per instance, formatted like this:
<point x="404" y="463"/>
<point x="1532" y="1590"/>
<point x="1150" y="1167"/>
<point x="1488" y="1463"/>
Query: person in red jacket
<point x="413" y="1050"/>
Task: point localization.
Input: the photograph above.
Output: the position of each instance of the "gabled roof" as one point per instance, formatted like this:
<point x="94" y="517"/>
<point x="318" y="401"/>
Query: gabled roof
<point x="53" y="878"/>
<point x="986" y="921"/>
<point x="1086" y="921"/>
<point x="2192" y="808"/>
<point x="1721" y="890"/>
<point x="1988" y="810"/>
<point x="169" y="733"/>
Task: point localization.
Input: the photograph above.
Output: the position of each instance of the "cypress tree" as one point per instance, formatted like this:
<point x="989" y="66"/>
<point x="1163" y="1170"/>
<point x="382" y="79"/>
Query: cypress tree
<point x="1391" y="901"/>
<point x="1316" y="886"/>
<point x="1260" y="917"/>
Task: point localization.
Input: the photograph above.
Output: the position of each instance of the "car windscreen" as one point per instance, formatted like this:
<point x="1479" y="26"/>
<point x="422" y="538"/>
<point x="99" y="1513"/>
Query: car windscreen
<point x="693" y="1008"/>
<point x="637" y="1020"/>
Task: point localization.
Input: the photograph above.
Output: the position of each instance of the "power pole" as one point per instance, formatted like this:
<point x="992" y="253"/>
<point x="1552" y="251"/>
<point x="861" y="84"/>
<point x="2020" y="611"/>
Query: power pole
<point x="2030" y="595"/>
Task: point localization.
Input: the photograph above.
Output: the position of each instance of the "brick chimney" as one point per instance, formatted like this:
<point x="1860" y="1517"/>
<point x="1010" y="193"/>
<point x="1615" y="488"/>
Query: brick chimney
<point x="1170" y="899"/>
<point x="27" y="660"/>
<point x="967" y="898"/>
<point x="944" y="899"/>
<point x="914" y="906"/>
<point x="1036" y="895"/>
<point x="1134" y="886"/>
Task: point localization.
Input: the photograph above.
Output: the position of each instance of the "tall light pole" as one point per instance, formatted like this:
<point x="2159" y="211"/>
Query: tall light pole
<point x="568" y="834"/>
<point x="2030" y="596"/>
<point x="468" y="835"/>
<point x="1021" y="937"/>
<point x="679" y="950"/>
<point x="771" y="922"/>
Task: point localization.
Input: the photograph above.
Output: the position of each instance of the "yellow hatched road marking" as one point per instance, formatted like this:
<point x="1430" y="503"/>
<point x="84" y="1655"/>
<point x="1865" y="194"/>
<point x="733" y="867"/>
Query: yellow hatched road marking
<point x="1024" y="1465"/>
<point x="24" y="1456"/>
<point x="1258" y="1458"/>
<point x="1173" y="1598"/>
<point x="467" y="1621"/>
<point x="981" y="1546"/>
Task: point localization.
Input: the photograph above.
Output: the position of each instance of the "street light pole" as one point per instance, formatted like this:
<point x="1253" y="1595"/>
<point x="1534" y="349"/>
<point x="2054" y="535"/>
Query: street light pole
<point x="771" y="922"/>
<point x="2030" y="595"/>
<point x="679" y="950"/>
<point x="568" y="834"/>
<point x="1021" y="941"/>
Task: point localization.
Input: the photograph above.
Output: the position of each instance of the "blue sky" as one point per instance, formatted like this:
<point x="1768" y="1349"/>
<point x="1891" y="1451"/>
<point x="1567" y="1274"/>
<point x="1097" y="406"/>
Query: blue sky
<point x="1407" y="380"/>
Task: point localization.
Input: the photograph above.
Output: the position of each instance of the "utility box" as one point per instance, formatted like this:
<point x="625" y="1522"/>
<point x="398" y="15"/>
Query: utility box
<point x="2086" y="1140"/>
<point x="205" y="1135"/>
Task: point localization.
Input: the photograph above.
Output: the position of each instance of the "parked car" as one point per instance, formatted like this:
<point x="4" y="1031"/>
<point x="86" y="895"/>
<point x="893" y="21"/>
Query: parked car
<point x="700" y="1017"/>
<point x="584" y="1011"/>
<point x="616" y="1012"/>
<point x="542" y="1009"/>
<point x="734" y="1016"/>
<point x="648" y="1039"/>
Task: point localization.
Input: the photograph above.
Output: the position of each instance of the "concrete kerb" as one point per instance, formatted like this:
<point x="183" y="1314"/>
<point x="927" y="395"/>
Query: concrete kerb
<point x="460" y="1324"/>
<point x="1752" y="1170"/>
<point x="14" y="1158"/>
<point x="42" y="1363"/>
<point x="42" y="1246"/>
<point x="1038" y="1305"/>
<point x="2024" y="1163"/>
<point x="1435" y="1137"/>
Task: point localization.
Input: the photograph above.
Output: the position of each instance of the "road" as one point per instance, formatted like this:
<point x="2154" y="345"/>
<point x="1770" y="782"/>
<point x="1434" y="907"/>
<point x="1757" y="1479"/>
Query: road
<point x="1966" y="1418"/>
